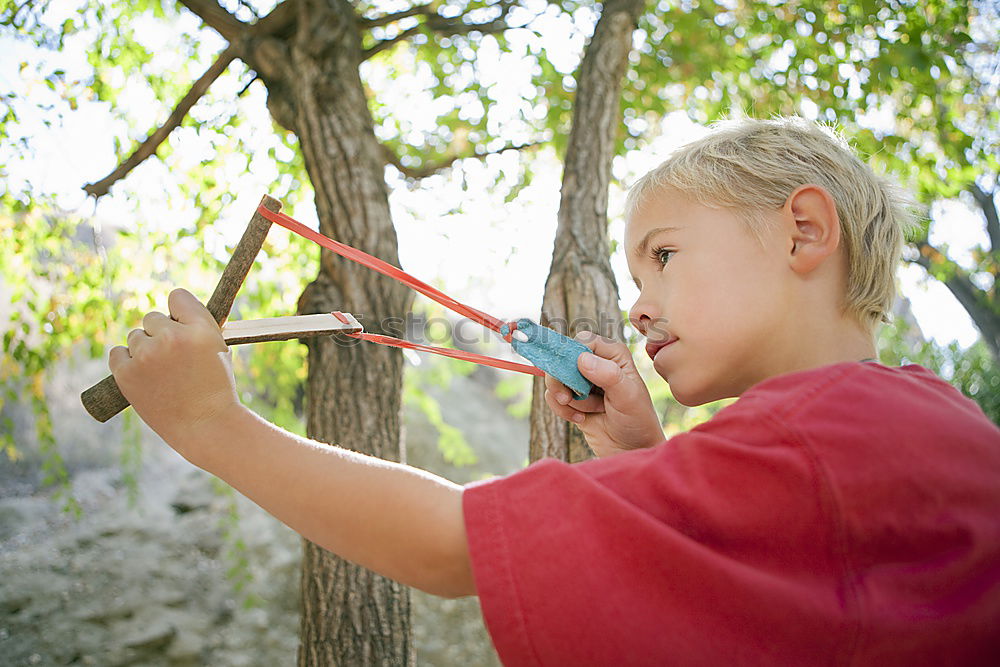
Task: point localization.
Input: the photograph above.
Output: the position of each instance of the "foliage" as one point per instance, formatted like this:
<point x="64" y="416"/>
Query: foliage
<point x="451" y="442"/>
<point x="435" y="370"/>
<point x="972" y="370"/>
<point x="76" y="287"/>
<point x="907" y="81"/>
<point x="58" y="289"/>
<point x="130" y="457"/>
<point x="237" y="553"/>
<point x="516" y="389"/>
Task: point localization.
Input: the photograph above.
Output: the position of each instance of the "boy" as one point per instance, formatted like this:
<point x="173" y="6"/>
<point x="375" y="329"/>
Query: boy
<point x="840" y="512"/>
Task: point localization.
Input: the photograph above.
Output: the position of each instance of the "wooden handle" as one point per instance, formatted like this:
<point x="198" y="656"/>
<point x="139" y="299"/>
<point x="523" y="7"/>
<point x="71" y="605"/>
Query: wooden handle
<point x="104" y="400"/>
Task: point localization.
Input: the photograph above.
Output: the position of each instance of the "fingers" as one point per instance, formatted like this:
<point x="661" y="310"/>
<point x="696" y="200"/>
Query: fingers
<point x="135" y="339"/>
<point x="611" y="367"/>
<point x="594" y="402"/>
<point x="117" y="358"/>
<point x="602" y="372"/>
<point x="563" y="395"/>
<point x="156" y="323"/>
<point x="186" y="309"/>
<point x="563" y="411"/>
<point x="557" y="389"/>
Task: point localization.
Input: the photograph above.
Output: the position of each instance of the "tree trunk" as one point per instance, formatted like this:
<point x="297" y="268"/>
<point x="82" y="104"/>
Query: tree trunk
<point x="581" y="292"/>
<point x="350" y="616"/>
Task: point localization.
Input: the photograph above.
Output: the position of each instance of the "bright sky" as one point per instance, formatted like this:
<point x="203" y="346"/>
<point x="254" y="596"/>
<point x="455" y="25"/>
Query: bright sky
<point x="452" y="232"/>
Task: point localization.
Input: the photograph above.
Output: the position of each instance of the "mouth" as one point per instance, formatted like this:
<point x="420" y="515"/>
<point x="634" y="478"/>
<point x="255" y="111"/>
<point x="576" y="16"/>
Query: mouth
<point x="653" y="347"/>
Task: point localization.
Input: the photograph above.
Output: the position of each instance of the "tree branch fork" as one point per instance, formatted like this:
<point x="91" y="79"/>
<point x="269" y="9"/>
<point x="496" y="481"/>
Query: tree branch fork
<point x="278" y="24"/>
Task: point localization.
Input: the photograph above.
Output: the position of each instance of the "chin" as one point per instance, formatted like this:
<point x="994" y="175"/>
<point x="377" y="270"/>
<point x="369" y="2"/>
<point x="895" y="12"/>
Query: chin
<point x="692" y="394"/>
<point x="690" y="400"/>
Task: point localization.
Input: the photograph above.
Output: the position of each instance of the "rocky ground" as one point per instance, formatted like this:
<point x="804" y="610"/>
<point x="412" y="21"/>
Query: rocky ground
<point x="146" y="583"/>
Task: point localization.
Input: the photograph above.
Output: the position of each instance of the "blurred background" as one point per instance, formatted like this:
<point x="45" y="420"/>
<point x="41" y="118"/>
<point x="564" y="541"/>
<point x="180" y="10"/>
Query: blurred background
<point x="115" y="551"/>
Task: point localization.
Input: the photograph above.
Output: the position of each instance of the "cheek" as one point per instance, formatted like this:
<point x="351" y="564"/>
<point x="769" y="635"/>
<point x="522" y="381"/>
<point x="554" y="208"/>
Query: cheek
<point x="726" y="304"/>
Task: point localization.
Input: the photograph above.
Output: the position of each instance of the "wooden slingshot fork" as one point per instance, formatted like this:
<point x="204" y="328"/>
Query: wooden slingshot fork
<point x="104" y="400"/>
<point x="550" y="352"/>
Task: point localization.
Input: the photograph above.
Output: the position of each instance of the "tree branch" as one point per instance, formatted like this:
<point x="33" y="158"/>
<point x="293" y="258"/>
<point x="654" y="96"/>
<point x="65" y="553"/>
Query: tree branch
<point x="279" y="22"/>
<point x="386" y="19"/>
<point x="249" y="83"/>
<point x="430" y="169"/>
<point x="456" y="26"/>
<point x="386" y="43"/>
<point x="986" y="203"/>
<point x="976" y="303"/>
<point x="441" y="25"/>
<point x="216" y="17"/>
<point x="149" y="146"/>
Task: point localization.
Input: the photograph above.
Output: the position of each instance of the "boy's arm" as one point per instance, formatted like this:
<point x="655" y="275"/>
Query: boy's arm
<point x="396" y="520"/>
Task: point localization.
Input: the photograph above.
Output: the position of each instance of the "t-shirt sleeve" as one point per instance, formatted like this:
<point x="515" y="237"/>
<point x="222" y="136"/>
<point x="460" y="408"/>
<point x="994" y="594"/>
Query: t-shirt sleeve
<point x="692" y="552"/>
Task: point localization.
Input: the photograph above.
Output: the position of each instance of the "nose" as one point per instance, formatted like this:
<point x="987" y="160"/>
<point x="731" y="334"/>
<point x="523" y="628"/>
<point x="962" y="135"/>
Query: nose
<point x="640" y="316"/>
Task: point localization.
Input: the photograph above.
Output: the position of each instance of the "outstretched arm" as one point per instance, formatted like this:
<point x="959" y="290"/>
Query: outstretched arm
<point x="402" y="522"/>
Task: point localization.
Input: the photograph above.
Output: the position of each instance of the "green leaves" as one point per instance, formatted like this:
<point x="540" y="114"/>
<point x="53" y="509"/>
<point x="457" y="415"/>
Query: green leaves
<point x="972" y="371"/>
<point x="475" y="90"/>
<point x="451" y="442"/>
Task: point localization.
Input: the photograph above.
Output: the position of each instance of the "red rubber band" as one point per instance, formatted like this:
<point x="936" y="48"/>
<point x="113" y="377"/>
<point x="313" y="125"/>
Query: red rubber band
<point x="387" y="269"/>
<point x="448" y="352"/>
<point x="382" y="267"/>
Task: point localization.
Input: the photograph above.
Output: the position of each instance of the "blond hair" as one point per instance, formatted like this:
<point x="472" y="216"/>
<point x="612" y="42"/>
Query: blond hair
<point x="752" y="166"/>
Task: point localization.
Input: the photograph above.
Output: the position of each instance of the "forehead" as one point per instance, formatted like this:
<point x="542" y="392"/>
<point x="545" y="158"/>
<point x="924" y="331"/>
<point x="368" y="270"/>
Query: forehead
<point x="664" y="211"/>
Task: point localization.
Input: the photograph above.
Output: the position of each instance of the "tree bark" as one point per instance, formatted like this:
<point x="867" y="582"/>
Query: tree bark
<point x="307" y="53"/>
<point x="349" y="616"/>
<point x="581" y="291"/>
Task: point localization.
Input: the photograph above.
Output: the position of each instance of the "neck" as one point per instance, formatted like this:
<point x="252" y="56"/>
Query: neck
<point x="811" y="343"/>
<point x="800" y="347"/>
<point x="837" y="340"/>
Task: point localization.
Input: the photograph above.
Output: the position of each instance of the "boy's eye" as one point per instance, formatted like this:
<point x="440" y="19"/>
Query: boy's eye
<point x="662" y="255"/>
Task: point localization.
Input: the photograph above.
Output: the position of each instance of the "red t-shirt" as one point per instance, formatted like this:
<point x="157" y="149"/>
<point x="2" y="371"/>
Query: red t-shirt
<point x="845" y="515"/>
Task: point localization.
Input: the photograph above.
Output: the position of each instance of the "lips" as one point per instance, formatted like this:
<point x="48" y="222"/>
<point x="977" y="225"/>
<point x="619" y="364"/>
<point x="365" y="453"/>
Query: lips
<point x="652" y="347"/>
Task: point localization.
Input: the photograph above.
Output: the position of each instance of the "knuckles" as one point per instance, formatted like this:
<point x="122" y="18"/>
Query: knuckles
<point x="203" y="335"/>
<point x="171" y="340"/>
<point x="150" y="318"/>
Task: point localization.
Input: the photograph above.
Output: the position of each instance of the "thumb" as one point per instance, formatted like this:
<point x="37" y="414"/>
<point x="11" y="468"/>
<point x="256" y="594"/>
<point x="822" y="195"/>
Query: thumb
<point x="609" y="364"/>
<point x="602" y="372"/>
<point x="186" y="309"/>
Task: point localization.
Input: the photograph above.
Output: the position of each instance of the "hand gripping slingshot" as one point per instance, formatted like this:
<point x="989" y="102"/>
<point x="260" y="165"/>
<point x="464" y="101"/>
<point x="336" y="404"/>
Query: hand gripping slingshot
<point x="550" y="351"/>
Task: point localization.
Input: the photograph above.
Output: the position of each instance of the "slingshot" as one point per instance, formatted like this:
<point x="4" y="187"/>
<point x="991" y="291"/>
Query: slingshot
<point x="550" y="351"/>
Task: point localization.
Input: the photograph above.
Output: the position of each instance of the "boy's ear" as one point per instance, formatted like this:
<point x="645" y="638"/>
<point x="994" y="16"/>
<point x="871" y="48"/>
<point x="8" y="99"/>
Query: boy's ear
<point x="813" y="227"/>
